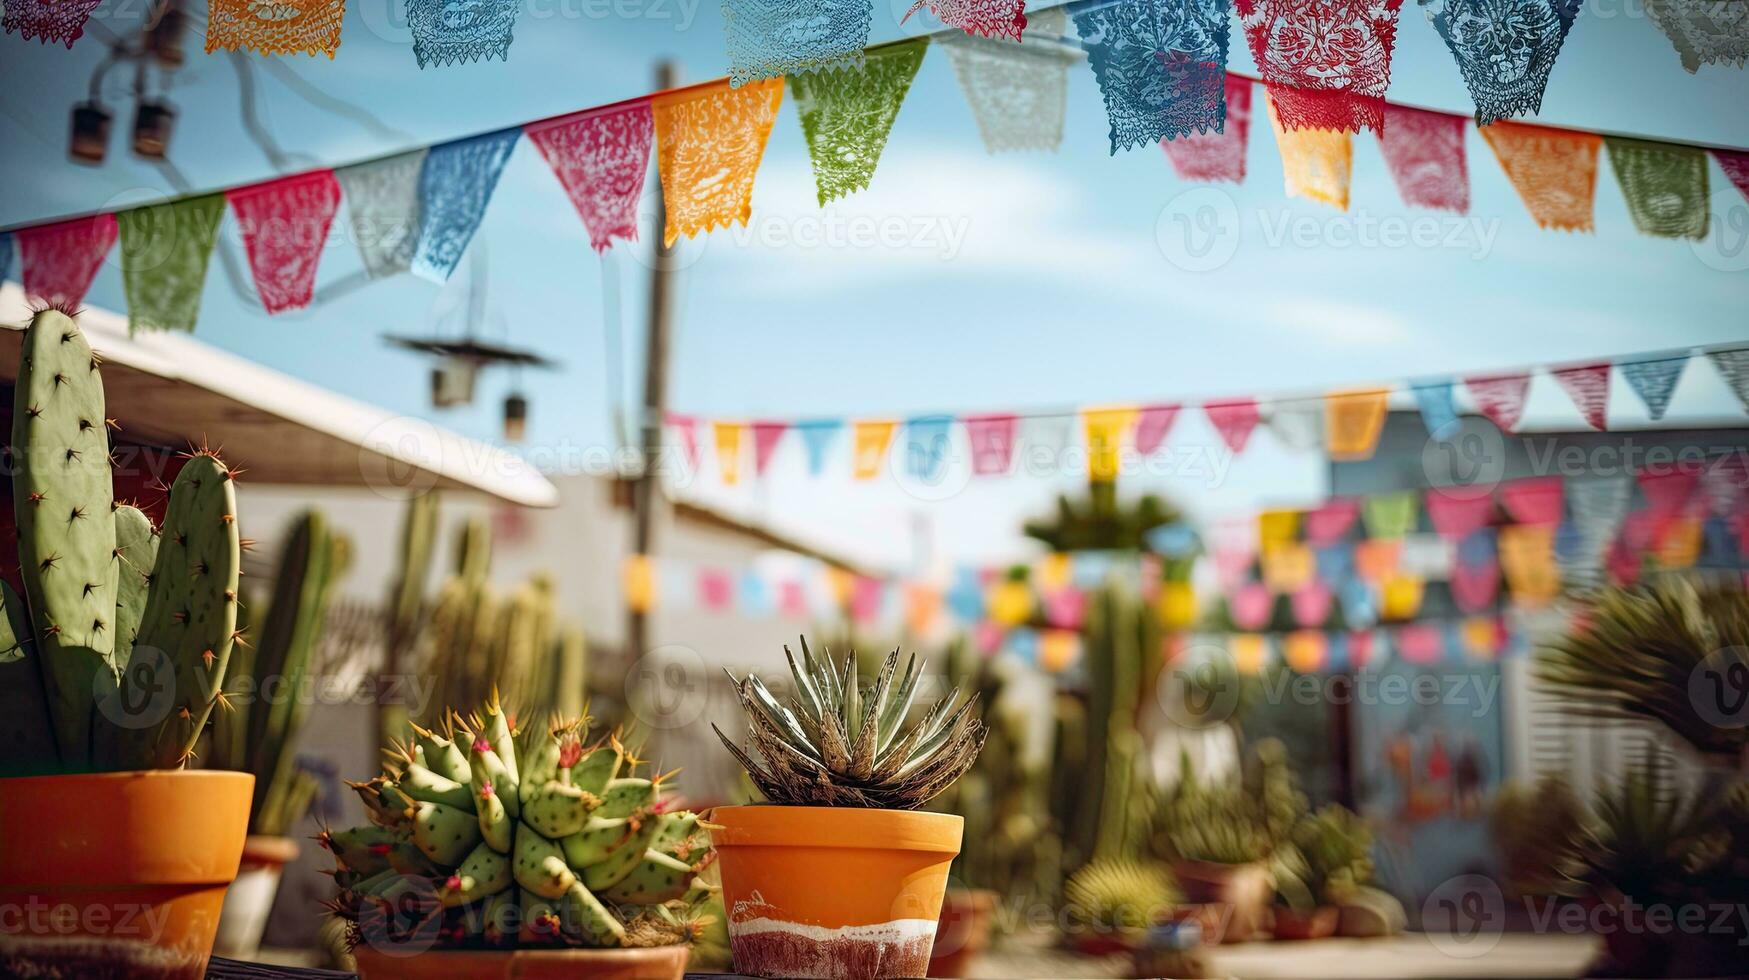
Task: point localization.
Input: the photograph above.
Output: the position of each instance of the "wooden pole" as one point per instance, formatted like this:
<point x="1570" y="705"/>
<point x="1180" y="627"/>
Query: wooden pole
<point x="645" y="495"/>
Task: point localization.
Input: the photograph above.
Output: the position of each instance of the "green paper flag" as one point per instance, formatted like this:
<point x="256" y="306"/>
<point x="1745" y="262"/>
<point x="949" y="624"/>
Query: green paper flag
<point x="1665" y="186"/>
<point x="164" y="252"/>
<point x="1391" y="515"/>
<point x="846" y="114"/>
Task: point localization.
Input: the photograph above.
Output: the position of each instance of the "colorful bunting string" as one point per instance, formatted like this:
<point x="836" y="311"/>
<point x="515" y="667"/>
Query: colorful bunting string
<point x="307" y="27"/>
<point x="847" y="113"/>
<point x="708" y="146"/>
<point x="600" y="158"/>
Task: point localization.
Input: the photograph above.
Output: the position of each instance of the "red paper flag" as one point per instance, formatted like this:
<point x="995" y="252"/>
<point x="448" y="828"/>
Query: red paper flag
<point x="1736" y="167"/>
<point x="766" y="436"/>
<point x="1456" y="516"/>
<point x="792" y="599"/>
<point x="1066" y="608"/>
<point x="1588" y="386"/>
<point x="1668" y="490"/>
<point x="687" y="426"/>
<point x="992" y="439"/>
<point x="1326" y="64"/>
<point x="1535" y="500"/>
<point x="1210" y="157"/>
<point x="285" y="225"/>
<point x="1152" y="424"/>
<point x="1425" y="153"/>
<point x="1360" y="648"/>
<point x="1234" y="420"/>
<point x="865" y="599"/>
<point x="59" y="261"/>
<point x="1331" y="520"/>
<point x="1501" y="398"/>
<point x="600" y="157"/>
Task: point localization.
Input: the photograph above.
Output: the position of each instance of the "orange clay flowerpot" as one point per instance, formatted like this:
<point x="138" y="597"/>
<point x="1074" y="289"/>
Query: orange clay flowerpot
<point x="833" y="892"/>
<point x="655" y="963"/>
<point x="117" y="874"/>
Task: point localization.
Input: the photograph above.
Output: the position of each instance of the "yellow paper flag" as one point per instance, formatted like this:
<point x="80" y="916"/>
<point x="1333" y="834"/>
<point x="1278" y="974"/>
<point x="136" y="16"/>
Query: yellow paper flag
<point x="1315" y="163"/>
<point x="1177" y="604"/>
<point x="839" y="583"/>
<point x="1527" y="557"/>
<point x="1679" y="544"/>
<point x="728" y="438"/>
<point x="1288" y="567"/>
<point x="1277" y="527"/>
<point x="1248" y="651"/>
<point x="1010" y="602"/>
<point x="708" y="146"/>
<point x="1353" y="421"/>
<point x="639" y="580"/>
<point x="1400" y="596"/>
<point x="871" y="440"/>
<point x="1052" y="572"/>
<point x="1105" y="433"/>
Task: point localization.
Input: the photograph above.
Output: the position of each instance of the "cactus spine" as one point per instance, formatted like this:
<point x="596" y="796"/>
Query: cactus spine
<point x="75" y="546"/>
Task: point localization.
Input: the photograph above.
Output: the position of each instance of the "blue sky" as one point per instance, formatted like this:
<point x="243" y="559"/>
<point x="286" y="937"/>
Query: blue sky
<point x="1025" y="280"/>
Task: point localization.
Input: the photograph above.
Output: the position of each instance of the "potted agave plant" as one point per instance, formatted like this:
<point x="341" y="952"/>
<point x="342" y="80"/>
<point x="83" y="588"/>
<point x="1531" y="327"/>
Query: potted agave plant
<point x="1329" y="860"/>
<point x="839" y="874"/>
<point x="109" y="669"/>
<point x="494" y="856"/>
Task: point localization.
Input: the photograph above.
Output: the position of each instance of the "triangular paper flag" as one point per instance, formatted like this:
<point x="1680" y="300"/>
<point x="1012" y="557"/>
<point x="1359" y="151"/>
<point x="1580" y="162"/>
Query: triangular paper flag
<point x="926" y="447"/>
<point x="1654" y="381"/>
<point x="1211" y="157"/>
<point x="766" y="436"/>
<point x="1598" y="506"/>
<point x="1353" y="421"/>
<point x="1152" y="424"/>
<point x="382" y="204"/>
<point x="1359" y="606"/>
<point x="285" y="226"/>
<point x="708" y="146"/>
<point x="1250" y="653"/>
<point x="1457" y="515"/>
<point x="847" y="114"/>
<point x="164" y="253"/>
<point x="870" y="440"/>
<point x="1316" y="81"/>
<point x="992" y="439"/>
<point x="1335" y="562"/>
<point x="1234" y="420"/>
<point x="1391" y="515"/>
<point x="444" y="34"/>
<point x="1425" y="153"/>
<point x="49" y="21"/>
<point x="1306" y="650"/>
<point x="1104" y="429"/>
<point x="1418" y="643"/>
<point x="1359" y="644"/>
<point x="455" y="185"/>
<point x="1536" y="500"/>
<point x="1289" y="567"/>
<point x="773" y="38"/>
<point x="1704" y="32"/>
<point x="687" y="427"/>
<point x="1331" y="521"/>
<point x="817" y="437"/>
<point x="1277" y="527"/>
<point x="57" y="262"/>
<point x="1504" y="50"/>
<point x="1400" y="596"/>
<point x="1475" y="588"/>
<point x="1500" y="398"/>
<point x="1733" y="366"/>
<point x="1376" y="559"/>
<point x="1588" y="386"/>
<point x="1735" y="164"/>
<point x="1160" y="64"/>
<point x="716" y="589"/>
<point x="600" y="157"/>
<point x="1251" y="605"/>
<point x="1298" y="424"/>
<point x="1438" y="413"/>
<point x="728" y="443"/>
<point x="1312" y="604"/>
<point x="1668" y="490"/>
<point x="1664" y="184"/>
<point x="1315" y="163"/>
<point x="1017" y="92"/>
<point x="1553" y="170"/>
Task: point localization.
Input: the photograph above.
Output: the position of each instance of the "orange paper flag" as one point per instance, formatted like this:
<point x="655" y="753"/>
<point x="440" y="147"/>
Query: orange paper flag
<point x="1306" y="650"/>
<point x="1288" y="567"/>
<point x="1249" y="651"/>
<point x="728" y="438"/>
<point x="639" y="580"/>
<point x="708" y="146"/>
<point x="1353" y="421"/>
<point x="922" y="605"/>
<point x="1315" y="163"/>
<point x="870" y="443"/>
<point x="280" y="28"/>
<point x="1375" y="559"/>
<point x="1527" y="556"/>
<point x="1553" y="170"/>
<point x="1058" y="650"/>
<point x="1105" y="432"/>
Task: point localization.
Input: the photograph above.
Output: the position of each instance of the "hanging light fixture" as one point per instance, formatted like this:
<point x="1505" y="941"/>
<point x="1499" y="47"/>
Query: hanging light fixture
<point x="515" y="417"/>
<point x="89" y="142"/>
<point x="164" y="37"/>
<point x="153" y="119"/>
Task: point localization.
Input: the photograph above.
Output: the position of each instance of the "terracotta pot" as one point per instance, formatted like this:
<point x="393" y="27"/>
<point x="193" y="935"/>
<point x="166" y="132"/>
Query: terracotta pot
<point x="963" y="931"/>
<point x="656" y="963"/>
<point x="250" y="898"/>
<point x="118" y="874"/>
<point x="833" y="892"/>
<point x="1320" y="923"/>
<point x="1244" y="887"/>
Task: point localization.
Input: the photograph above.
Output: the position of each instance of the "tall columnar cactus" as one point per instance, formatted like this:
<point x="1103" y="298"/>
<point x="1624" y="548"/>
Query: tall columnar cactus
<point x="497" y="840"/>
<point x="413" y="560"/>
<point x="92" y="612"/>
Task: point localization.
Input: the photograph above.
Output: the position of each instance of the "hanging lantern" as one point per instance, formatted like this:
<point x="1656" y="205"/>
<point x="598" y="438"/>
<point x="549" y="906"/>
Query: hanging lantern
<point x="452" y="382"/>
<point x="90" y="138"/>
<point x="164" y="37"/>
<point x="515" y="417"/>
<point x="152" y="122"/>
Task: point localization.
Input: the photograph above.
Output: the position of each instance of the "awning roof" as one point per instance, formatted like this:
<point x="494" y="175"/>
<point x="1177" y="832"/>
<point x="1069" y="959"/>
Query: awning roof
<point x="173" y="390"/>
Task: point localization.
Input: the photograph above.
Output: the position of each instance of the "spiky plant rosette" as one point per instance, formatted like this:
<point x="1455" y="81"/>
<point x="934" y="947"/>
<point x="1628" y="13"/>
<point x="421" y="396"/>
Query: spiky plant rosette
<point x="835" y="744"/>
<point x="484" y="837"/>
<point x="1119" y="895"/>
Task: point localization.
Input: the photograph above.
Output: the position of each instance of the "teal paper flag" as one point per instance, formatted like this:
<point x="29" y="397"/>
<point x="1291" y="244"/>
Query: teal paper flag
<point x="1437" y="411"/>
<point x="164" y="254"/>
<point x="926" y="446"/>
<point x="817" y="436"/>
<point x="5" y="255"/>
<point x="1733" y="366"/>
<point x="1654" y="381"/>
<point x="847" y="113"/>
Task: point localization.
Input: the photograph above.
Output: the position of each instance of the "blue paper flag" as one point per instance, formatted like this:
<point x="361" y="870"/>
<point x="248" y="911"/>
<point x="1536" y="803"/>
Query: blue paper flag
<point x="1477" y="548"/>
<point x="447" y="33"/>
<point x="1161" y="65"/>
<point x="771" y="38"/>
<point x="755" y="594"/>
<point x="1336" y="652"/>
<point x="1023" y="643"/>
<point x="926" y="446"/>
<point x="1334" y="563"/>
<point x="817" y="436"/>
<point x="1654" y="381"/>
<point x="1175" y="540"/>
<point x="455" y="185"/>
<point x="1360" y="609"/>
<point x="1088" y="569"/>
<point x="966" y="598"/>
<point x="1721" y="544"/>
<point x="5" y="255"/>
<point x="1504" y="48"/>
<point x="1437" y="411"/>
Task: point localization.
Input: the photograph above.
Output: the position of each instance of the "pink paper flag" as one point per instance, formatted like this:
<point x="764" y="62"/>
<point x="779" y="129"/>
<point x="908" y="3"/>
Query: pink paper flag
<point x="1152" y="424"/>
<point x="992" y="439"/>
<point x="1736" y="167"/>
<point x="59" y="261"/>
<point x="1066" y="608"/>
<point x="1625" y="563"/>
<point x="1418" y="643"/>
<point x="687" y="426"/>
<point x="792" y="599"/>
<point x="1668" y="490"/>
<point x="1475" y="587"/>
<point x="1234" y="420"/>
<point x="716" y="589"/>
<point x="766" y="436"/>
<point x="1312" y="604"/>
<point x="1588" y="386"/>
<point x="600" y="157"/>
<point x="1251" y="605"/>
<point x="1329" y="522"/>
<point x="1425" y="153"/>
<point x="1500" y="398"/>
<point x="285" y="225"/>
<point x="1534" y="500"/>
<point x="1455" y="516"/>
<point x="865" y="599"/>
<point x="1360" y="648"/>
<point x="1210" y="157"/>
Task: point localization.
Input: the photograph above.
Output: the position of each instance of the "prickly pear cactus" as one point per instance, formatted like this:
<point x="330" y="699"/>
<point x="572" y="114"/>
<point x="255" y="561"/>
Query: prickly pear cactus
<point x="25" y="728"/>
<point x="136" y="549"/>
<point x="66" y="530"/>
<point x="499" y="841"/>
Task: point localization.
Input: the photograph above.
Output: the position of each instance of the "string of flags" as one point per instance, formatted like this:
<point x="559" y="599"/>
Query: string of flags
<point x="1344" y="424"/>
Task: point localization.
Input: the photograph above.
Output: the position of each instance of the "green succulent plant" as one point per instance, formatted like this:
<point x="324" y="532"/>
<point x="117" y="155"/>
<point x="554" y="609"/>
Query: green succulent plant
<point x="1540" y="831"/>
<point x="1330" y="856"/>
<point x="835" y="744"/>
<point x="1648" y="835"/>
<point x="1119" y="895"/>
<point x="1232" y="821"/>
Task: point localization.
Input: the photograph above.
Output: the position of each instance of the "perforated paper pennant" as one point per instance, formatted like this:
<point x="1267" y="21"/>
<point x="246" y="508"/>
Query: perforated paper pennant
<point x="1315" y="163"/>
<point x="285" y="226"/>
<point x="600" y="158"/>
<point x="275" y="28"/>
<point x="164" y="253"/>
<point x="1326" y="64"/>
<point x="1664" y="185"/>
<point x="1161" y="65"/>
<point x="455" y="185"/>
<point x="1217" y="155"/>
<point x="1654" y="381"/>
<point x="1588" y="386"/>
<point x="846" y="115"/>
<point x="1500" y="397"/>
<point x="992" y="439"/>
<point x="708" y="146"/>
<point x="870" y="441"/>
<point x="57" y="262"/>
<point x="1425" y="154"/>
<point x="1017" y="92"/>
<point x="1553" y="170"/>
<point x="773" y="38"/>
<point x="382" y="201"/>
